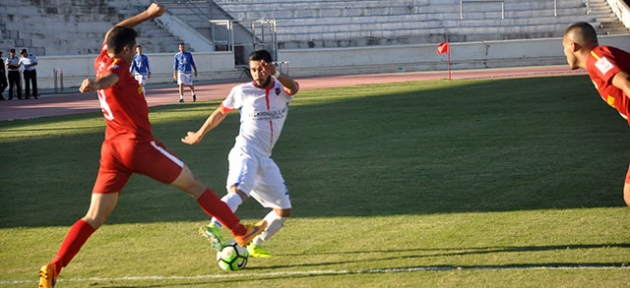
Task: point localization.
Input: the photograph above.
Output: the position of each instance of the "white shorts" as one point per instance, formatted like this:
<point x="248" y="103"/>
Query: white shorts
<point x="184" y="78"/>
<point x="141" y="78"/>
<point x="258" y="177"/>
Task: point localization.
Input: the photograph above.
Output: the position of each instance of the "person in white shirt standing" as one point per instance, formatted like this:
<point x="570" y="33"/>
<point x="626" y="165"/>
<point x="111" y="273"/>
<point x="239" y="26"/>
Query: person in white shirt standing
<point x="182" y="72"/>
<point x="263" y="105"/>
<point x="30" y="73"/>
<point x="140" y="67"/>
<point x="15" y="82"/>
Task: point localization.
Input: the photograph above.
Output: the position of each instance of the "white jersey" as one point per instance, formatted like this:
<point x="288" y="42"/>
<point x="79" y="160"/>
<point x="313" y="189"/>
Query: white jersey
<point x="263" y="112"/>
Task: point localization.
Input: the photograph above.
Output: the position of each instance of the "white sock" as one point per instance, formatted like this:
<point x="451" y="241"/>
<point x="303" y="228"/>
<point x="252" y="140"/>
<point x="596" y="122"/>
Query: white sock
<point x="274" y="223"/>
<point x="181" y="96"/>
<point x="233" y="200"/>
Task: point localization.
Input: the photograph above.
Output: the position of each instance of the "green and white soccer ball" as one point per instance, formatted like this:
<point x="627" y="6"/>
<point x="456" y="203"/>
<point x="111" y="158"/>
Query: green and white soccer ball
<point x="232" y="257"/>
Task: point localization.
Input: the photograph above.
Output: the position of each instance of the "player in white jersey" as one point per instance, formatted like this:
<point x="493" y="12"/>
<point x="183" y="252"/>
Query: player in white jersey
<point x="263" y="105"/>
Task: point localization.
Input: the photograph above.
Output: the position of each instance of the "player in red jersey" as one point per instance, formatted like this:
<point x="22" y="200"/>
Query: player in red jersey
<point x="129" y="147"/>
<point x="608" y="67"/>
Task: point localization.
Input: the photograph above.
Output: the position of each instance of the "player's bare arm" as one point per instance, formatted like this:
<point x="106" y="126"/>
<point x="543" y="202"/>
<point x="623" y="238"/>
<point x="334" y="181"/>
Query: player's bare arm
<point x="104" y="82"/>
<point x="622" y="81"/>
<point x="285" y="80"/>
<point x="155" y="10"/>
<point x="212" y="122"/>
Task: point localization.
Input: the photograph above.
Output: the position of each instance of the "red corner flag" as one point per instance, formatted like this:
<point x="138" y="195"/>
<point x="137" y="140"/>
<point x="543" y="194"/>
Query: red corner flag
<point x="443" y="48"/>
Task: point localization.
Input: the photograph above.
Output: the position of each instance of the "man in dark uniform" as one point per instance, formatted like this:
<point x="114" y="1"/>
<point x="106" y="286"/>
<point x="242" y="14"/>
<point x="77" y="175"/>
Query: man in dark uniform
<point x="3" y="78"/>
<point x="30" y="73"/>
<point x="13" y="65"/>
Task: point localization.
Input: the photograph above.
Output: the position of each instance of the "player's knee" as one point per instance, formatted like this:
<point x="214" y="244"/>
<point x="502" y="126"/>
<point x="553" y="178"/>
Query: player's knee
<point x="283" y="212"/>
<point x="626" y="194"/>
<point x="95" y="221"/>
<point x="187" y="182"/>
<point x="239" y="192"/>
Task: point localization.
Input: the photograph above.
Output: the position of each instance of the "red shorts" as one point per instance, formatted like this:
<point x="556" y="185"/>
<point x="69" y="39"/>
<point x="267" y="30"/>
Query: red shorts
<point x="122" y="157"/>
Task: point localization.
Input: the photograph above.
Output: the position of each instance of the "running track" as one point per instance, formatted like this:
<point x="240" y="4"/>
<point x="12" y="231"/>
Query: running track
<point x="74" y="103"/>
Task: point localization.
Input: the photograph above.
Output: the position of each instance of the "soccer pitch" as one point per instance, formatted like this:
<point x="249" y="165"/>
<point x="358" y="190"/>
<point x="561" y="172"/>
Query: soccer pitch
<point x="466" y="183"/>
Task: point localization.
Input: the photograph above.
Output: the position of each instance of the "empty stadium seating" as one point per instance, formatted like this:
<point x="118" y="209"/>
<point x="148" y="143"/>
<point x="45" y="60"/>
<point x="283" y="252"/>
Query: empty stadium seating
<point x="334" y="23"/>
<point x="63" y="27"/>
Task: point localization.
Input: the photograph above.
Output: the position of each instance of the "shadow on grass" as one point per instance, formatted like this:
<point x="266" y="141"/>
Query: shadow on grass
<point x="461" y="251"/>
<point x="283" y="273"/>
<point x="410" y="148"/>
<point x="477" y="250"/>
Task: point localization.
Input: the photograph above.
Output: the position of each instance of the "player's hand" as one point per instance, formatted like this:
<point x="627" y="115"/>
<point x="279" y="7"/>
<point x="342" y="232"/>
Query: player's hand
<point x="195" y="74"/>
<point x="269" y="68"/>
<point x="88" y="85"/>
<point x="156" y="10"/>
<point x="192" y="138"/>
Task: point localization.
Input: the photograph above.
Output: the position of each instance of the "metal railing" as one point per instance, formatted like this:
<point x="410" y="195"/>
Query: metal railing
<point x="462" y="2"/>
<point x="58" y="78"/>
<point x="587" y="4"/>
<point x="280" y="65"/>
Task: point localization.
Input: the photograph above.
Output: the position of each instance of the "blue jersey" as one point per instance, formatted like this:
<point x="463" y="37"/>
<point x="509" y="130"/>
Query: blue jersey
<point x="140" y="65"/>
<point x="184" y="62"/>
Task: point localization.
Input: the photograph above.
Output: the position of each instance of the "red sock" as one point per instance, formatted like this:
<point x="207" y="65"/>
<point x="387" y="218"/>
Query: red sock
<point x="76" y="237"/>
<point x="213" y="206"/>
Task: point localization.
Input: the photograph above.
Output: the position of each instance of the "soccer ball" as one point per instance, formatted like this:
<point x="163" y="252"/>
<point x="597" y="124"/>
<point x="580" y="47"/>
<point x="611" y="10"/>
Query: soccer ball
<point x="232" y="257"/>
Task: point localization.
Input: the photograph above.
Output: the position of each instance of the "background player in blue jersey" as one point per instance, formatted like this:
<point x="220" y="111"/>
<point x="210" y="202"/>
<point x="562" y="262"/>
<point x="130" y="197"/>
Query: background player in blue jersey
<point x="182" y="71"/>
<point x="140" y="67"/>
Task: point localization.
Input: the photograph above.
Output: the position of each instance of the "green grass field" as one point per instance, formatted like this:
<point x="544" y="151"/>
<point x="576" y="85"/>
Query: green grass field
<point x="467" y="183"/>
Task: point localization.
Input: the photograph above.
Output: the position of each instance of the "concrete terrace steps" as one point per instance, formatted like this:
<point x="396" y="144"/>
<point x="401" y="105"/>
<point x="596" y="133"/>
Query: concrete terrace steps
<point x="370" y="8"/>
<point x="67" y="27"/>
<point x="511" y="32"/>
<point x="302" y="23"/>
<point x="422" y="20"/>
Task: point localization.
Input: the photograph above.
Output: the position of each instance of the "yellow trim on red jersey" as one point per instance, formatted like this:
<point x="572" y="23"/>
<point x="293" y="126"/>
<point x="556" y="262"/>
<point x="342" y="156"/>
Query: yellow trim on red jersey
<point x="610" y="100"/>
<point x="594" y="55"/>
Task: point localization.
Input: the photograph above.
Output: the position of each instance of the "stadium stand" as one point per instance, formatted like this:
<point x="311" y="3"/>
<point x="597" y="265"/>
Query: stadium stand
<point x="334" y="23"/>
<point x="66" y="27"/>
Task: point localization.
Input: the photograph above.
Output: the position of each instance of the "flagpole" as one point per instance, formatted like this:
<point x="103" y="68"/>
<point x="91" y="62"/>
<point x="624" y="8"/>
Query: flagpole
<point x="449" y="64"/>
<point x="444" y="48"/>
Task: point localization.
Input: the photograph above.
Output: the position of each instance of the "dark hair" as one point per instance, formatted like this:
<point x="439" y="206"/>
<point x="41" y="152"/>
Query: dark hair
<point x="119" y="37"/>
<point x="260" y="55"/>
<point x="585" y="31"/>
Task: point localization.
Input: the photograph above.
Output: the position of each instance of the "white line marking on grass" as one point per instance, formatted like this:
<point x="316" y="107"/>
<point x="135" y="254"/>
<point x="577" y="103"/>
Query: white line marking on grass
<point x="331" y="272"/>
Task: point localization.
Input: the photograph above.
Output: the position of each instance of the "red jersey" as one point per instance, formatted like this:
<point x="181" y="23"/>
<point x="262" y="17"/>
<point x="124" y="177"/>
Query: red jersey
<point x="124" y="107"/>
<point x="602" y="65"/>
